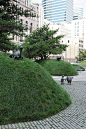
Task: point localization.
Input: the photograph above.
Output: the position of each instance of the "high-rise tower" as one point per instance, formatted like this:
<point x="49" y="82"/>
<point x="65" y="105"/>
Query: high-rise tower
<point x="58" y="10"/>
<point x="78" y="11"/>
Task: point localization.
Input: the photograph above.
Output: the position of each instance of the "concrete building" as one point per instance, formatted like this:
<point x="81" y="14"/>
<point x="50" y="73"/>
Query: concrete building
<point x="40" y="11"/>
<point x="58" y="10"/>
<point x="78" y="12"/>
<point x="41" y="16"/>
<point x="78" y="30"/>
<point x="31" y="22"/>
<point x="74" y="43"/>
<point x="72" y="51"/>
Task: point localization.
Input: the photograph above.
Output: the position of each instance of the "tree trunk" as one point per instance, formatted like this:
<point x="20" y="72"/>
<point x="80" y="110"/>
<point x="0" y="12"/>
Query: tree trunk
<point x="41" y="57"/>
<point x="45" y="57"/>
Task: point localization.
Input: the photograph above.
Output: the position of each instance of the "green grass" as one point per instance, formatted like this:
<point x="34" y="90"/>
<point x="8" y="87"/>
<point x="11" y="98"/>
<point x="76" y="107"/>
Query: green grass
<point x="82" y="63"/>
<point x="28" y="92"/>
<point x="58" y="68"/>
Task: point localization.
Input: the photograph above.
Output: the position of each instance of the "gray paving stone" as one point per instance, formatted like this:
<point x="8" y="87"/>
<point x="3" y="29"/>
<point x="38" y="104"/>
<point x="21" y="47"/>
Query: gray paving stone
<point x="20" y="125"/>
<point x="28" y="127"/>
<point x="10" y="126"/>
<point x="23" y="125"/>
<point x="34" y="128"/>
<point x="6" y="126"/>
<point x="46" y="127"/>
<point x="2" y="127"/>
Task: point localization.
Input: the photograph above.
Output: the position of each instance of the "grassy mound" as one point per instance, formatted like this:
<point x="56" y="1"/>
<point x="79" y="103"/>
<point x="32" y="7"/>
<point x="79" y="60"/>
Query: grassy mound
<point x="58" y="68"/>
<point x="28" y="92"/>
<point x="83" y="69"/>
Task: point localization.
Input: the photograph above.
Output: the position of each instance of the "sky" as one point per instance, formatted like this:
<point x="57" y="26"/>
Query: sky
<point x="82" y="2"/>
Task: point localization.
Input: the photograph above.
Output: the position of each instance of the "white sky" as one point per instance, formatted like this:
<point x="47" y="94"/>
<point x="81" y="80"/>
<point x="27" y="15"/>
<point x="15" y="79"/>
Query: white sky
<point x="82" y="2"/>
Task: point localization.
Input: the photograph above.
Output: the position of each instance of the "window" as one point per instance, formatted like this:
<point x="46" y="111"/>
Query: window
<point x="83" y="34"/>
<point x="37" y="16"/>
<point x="30" y="27"/>
<point x="37" y="8"/>
<point x="77" y="23"/>
<point x="26" y="25"/>
<point x="21" y="21"/>
<point x="25" y="2"/>
<point x="16" y="37"/>
<point x="21" y="38"/>
<point x="22" y="10"/>
<point x="37" y="26"/>
<point x="77" y="34"/>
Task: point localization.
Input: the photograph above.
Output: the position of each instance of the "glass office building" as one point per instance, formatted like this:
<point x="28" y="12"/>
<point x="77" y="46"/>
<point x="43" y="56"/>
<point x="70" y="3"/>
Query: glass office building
<point x="78" y="11"/>
<point x="58" y="10"/>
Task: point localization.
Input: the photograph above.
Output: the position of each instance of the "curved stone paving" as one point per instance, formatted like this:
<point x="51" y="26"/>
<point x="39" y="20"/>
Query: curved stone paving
<point x="73" y="117"/>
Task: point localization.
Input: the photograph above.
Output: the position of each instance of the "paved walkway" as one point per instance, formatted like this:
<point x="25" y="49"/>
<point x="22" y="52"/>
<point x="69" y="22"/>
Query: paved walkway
<point x="80" y="77"/>
<point x="73" y="117"/>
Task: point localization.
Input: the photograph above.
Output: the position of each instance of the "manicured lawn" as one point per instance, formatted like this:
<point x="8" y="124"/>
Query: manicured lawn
<point x="58" y="68"/>
<point x="82" y="63"/>
<point x="28" y="92"/>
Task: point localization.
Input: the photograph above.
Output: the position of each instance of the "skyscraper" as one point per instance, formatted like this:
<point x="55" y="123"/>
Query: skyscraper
<point x="78" y="12"/>
<point x="58" y="10"/>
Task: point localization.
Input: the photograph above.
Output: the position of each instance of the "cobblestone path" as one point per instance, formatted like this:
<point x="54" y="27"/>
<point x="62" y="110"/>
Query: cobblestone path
<point x="73" y="117"/>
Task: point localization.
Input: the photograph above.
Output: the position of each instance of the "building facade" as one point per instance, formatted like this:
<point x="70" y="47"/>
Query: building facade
<point x="78" y="30"/>
<point x="78" y="11"/>
<point x="74" y="43"/>
<point x="58" y="10"/>
<point x="31" y="22"/>
<point x="40" y="11"/>
<point x="41" y="16"/>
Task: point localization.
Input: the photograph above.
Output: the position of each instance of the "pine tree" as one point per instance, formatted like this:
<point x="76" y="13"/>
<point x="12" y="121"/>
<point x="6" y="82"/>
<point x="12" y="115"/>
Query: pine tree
<point x="42" y="42"/>
<point x="10" y="24"/>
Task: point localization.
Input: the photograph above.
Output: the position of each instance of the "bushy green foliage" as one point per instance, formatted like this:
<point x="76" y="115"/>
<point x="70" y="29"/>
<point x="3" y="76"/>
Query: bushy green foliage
<point x="10" y="23"/>
<point x="28" y="92"/>
<point x="41" y="42"/>
<point x="6" y="44"/>
<point x="82" y="55"/>
<point x="58" y="68"/>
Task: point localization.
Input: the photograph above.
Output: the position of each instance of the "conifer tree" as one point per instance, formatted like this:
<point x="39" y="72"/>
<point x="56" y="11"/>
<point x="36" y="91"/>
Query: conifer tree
<point x="42" y="42"/>
<point x="10" y="24"/>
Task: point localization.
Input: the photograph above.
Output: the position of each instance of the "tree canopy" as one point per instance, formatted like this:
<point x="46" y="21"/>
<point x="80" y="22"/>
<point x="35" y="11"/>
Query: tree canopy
<point x="82" y="55"/>
<point x="42" y="42"/>
<point x="10" y="23"/>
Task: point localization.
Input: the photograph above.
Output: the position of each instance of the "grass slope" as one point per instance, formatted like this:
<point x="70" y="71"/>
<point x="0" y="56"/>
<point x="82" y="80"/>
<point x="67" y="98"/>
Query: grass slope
<point x="82" y="63"/>
<point x="28" y="92"/>
<point x="58" y="68"/>
<point x="83" y="69"/>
